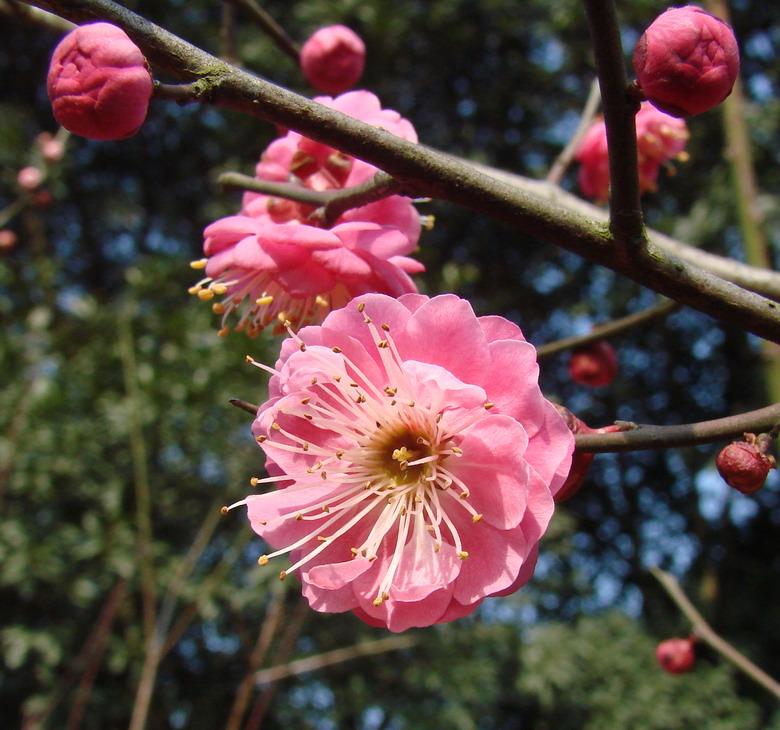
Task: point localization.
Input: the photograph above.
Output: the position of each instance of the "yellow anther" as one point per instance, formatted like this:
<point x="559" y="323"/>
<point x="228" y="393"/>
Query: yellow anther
<point x="205" y="295"/>
<point x="218" y="308"/>
<point x="321" y="301"/>
<point x="282" y="575"/>
<point x="264" y="301"/>
<point x="254" y="481"/>
<point x="261" y="438"/>
<point x="463" y="554"/>
<point x="223" y="332"/>
<point x="199" y="264"/>
<point x="224" y="510"/>
<point x="219" y="288"/>
<point x="262" y="560"/>
<point x="361" y="306"/>
<point x="476" y="518"/>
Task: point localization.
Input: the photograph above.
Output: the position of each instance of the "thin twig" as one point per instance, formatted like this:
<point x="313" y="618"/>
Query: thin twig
<point x="562" y="162"/>
<point x="646" y="437"/>
<point x="271" y="28"/>
<point x="337" y="656"/>
<point x="609" y="329"/>
<point x="244" y="405"/>
<point x="705" y="632"/>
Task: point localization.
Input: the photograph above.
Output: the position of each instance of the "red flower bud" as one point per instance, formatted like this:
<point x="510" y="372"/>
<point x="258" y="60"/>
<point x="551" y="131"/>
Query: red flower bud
<point x="332" y="60"/>
<point x="99" y="83"/>
<point x="687" y="61"/>
<point x="676" y="656"/>
<point x="580" y="462"/>
<point x="745" y="464"/>
<point x="7" y="240"/>
<point x="593" y="364"/>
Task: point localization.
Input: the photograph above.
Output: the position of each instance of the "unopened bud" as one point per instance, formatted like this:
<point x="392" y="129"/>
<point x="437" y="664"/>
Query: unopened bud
<point x="7" y="240"/>
<point x="745" y="465"/>
<point x="687" y="61"/>
<point x="580" y="462"/>
<point x="593" y="364"/>
<point x="99" y="83"/>
<point x="676" y="656"/>
<point x="332" y="60"/>
<point x="29" y="178"/>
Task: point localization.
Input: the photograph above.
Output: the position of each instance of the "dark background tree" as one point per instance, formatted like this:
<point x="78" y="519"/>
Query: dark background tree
<point x="118" y="444"/>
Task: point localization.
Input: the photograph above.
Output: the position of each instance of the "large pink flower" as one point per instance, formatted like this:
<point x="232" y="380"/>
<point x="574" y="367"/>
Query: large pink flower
<point x="282" y="266"/>
<point x="416" y="457"/>
<point x="660" y="138"/>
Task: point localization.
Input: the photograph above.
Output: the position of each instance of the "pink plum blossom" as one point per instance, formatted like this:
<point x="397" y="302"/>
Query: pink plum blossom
<point x="660" y="139"/>
<point x="332" y="59"/>
<point x="416" y="460"/>
<point x="99" y="83"/>
<point x="279" y="265"/>
<point x="687" y="61"/>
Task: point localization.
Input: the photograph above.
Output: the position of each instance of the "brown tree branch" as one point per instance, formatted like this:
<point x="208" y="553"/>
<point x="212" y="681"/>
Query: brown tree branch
<point x="270" y="27"/>
<point x="689" y="434"/>
<point x="619" y="111"/>
<point x="705" y="632"/>
<point x="427" y="173"/>
<point x="609" y="329"/>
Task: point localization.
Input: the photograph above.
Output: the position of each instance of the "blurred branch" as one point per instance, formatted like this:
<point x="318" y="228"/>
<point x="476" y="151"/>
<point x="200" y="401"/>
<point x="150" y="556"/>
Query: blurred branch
<point x="227" y="32"/>
<point x="690" y="434"/>
<point x="562" y="162"/>
<point x="244" y="405"/>
<point x="87" y="661"/>
<point x="268" y="628"/>
<point x="619" y="111"/>
<point x="328" y="658"/>
<point x="425" y="172"/>
<point x="745" y="189"/>
<point x="609" y="329"/>
<point x="705" y="632"/>
<point x="143" y="507"/>
<point x="35" y="16"/>
<point x="283" y="652"/>
<point x="270" y="27"/>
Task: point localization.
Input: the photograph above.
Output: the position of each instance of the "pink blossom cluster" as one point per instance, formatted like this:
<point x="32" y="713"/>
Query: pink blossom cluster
<point x="416" y="459"/>
<point x="99" y="83"/>
<point x="279" y="265"/>
<point x="660" y="139"/>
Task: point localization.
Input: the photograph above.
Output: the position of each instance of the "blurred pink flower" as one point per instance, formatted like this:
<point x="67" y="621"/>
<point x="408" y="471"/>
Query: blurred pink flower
<point x="332" y="59"/>
<point x="416" y="456"/>
<point x="98" y="83"/>
<point x="687" y="61"/>
<point x="275" y="263"/>
<point x="660" y="139"/>
<point x="29" y="178"/>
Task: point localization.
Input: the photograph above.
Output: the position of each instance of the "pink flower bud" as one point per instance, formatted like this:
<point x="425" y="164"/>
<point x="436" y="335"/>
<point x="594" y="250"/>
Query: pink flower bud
<point x="676" y="656"/>
<point x="580" y="460"/>
<point x="99" y="83"/>
<point x="593" y="364"/>
<point x="687" y="61"/>
<point x="745" y="464"/>
<point x="29" y="178"/>
<point x="332" y="60"/>
<point x="7" y="240"/>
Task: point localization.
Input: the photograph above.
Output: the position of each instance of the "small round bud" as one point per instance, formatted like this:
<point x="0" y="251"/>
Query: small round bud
<point x="7" y="240"/>
<point x="687" y="61"/>
<point x="99" y="83"/>
<point x="676" y="656"/>
<point x="744" y="465"/>
<point x="581" y="460"/>
<point x="332" y="60"/>
<point x="29" y="178"/>
<point x="593" y="364"/>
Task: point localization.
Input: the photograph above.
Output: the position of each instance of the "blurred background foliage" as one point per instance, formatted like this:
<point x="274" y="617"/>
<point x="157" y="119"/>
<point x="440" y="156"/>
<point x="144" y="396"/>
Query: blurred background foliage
<point x="118" y="444"/>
